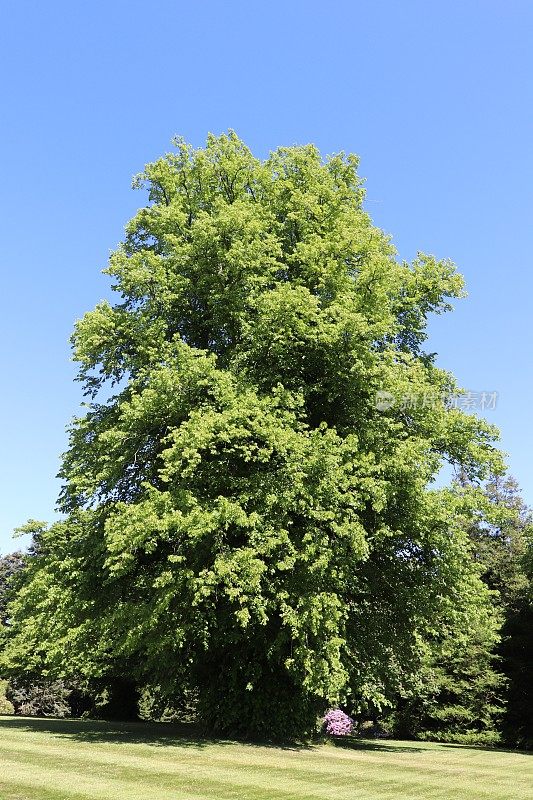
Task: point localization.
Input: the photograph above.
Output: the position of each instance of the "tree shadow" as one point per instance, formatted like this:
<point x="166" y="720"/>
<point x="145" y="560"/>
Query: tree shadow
<point x="155" y="734"/>
<point x="79" y="730"/>
<point x="487" y="748"/>
<point x="187" y="734"/>
<point x="352" y="743"/>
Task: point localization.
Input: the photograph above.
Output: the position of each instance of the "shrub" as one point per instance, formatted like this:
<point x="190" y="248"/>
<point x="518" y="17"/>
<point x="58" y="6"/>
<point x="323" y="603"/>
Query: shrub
<point x="469" y="737"/>
<point x="42" y="699"/>
<point x="6" y="707"/>
<point x="338" y="723"/>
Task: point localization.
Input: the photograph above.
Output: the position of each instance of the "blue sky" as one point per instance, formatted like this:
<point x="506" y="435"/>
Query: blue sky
<point x="435" y="97"/>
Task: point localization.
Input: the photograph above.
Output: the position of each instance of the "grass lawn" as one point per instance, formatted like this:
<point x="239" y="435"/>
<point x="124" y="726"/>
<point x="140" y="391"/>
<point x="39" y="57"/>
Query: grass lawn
<point x="56" y="760"/>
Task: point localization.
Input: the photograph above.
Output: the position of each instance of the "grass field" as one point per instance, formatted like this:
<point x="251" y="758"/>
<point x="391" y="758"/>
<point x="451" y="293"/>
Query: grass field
<point x="57" y="760"/>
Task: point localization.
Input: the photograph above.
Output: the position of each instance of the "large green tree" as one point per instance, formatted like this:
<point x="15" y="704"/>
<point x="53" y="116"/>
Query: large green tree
<point x="242" y="519"/>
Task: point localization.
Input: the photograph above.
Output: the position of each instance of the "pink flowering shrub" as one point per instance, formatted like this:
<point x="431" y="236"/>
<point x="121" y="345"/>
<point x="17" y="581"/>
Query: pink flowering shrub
<point x="338" y="723"/>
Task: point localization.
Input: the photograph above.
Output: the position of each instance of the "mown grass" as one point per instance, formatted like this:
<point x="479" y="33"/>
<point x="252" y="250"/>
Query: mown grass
<point x="59" y="760"/>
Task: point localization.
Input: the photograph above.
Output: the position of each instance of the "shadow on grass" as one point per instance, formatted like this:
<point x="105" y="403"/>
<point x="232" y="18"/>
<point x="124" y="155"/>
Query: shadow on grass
<point x="116" y="732"/>
<point x="163" y="734"/>
<point x="167" y="734"/>
<point x="403" y="746"/>
<point x="487" y="748"/>
<point x="352" y="743"/>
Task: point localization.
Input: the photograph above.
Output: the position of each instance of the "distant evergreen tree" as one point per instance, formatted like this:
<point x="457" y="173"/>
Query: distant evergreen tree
<point x="503" y="541"/>
<point x="478" y="678"/>
<point x="502" y="533"/>
<point x="517" y="656"/>
<point x="506" y="553"/>
<point x="458" y="695"/>
<point x="10" y="565"/>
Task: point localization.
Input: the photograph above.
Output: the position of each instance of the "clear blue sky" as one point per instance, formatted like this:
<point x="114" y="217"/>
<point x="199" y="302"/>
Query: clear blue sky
<point x="435" y="97"/>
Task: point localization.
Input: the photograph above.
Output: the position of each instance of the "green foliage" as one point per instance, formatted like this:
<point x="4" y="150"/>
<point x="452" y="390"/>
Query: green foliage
<point x="241" y="520"/>
<point x="154" y="705"/>
<point x="6" y="707"/>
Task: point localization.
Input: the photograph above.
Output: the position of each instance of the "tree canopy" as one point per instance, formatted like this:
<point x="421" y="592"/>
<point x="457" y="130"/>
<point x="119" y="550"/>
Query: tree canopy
<point x="242" y="519"/>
